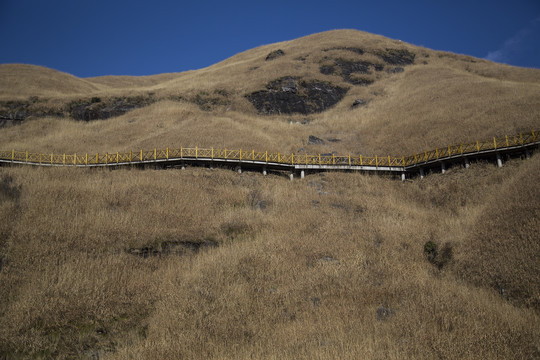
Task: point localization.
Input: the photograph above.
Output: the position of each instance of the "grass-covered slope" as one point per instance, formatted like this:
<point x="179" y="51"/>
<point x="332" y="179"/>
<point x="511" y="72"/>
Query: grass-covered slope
<point x="412" y="99"/>
<point x="100" y="262"/>
<point x="201" y="263"/>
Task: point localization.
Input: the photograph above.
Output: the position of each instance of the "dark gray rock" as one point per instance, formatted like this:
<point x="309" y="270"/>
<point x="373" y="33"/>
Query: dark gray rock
<point x="313" y="140"/>
<point x="327" y="69"/>
<point x="261" y="205"/>
<point x="395" y="70"/>
<point x="178" y="247"/>
<point x="358" y="102"/>
<point x="275" y="54"/>
<point x="290" y="95"/>
<point x="88" y="110"/>
<point x="348" y="67"/>
<point x="383" y="313"/>
<point x="356" y="50"/>
<point x="397" y="56"/>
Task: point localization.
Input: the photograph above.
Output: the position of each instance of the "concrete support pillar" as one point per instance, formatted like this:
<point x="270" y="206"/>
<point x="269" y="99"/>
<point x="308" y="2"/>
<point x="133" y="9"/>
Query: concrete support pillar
<point x="467" y="163"/>
<point x="302" y="174"/>
<point x="264" y="171"/>
<point x="499" y="160"/>
<point x="527" y="155"/>
<point x="239" y="170"/>
<point x="422" y="174"/>
<point x="183" y="166"/>
<point x="443" y="168"/>
<point x="291" y="176"/>
<point x="402" y="176"/>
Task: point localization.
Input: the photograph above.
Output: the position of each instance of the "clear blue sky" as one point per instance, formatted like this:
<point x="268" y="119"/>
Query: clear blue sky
<point x="92" y="38"/>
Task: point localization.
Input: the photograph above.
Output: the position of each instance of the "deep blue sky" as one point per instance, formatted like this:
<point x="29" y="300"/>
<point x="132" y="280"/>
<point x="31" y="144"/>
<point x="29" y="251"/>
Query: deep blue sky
<point x="92" y="38"/>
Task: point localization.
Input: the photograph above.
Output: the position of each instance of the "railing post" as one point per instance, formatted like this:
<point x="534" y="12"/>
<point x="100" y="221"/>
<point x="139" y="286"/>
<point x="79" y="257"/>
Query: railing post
<point x="507" y="145"/>
<point x="52" y="156"/>
<point x="212" y="152"/>
<point x="106" y="158"/>
<point x="437" y="152"/>
<point x="425" y="156"/>
<point x="26" y="156"/>
<point x="86" y="159"/>
<point x="130" y="155"/>
<point x="415" y="159"/>
<point x="494" y="143"/>
<point x="97" y="158"/>
<point x="196" y="152"/>
<point x="64" y="161"/>
<point x="292" y="158"/>
<point x="13" y="155"/>
<point x="240" y="152"/>
<point x="167" y="153"/>
<point x="117" y="156"/>
<point x="389" y="161"/>
<point x="449" y="150"/>
<point x="40" y="158"/>
<point x="403" y="161"/>
<point x="376" y="161"/>
<point x="361" y="161"/>
<point x="155" y="154"/>
<point x="461" y="149"/>
<point x="253" y="155"/>
<point x="278" y="158"/>
<point x="521" y="138"/>
<point x="181" y="152"/>
<point x="306" y="159"/>
<point x="75" y="159"/>
<point x="319" y="159"/>
<point x="349" y="159"/>
<point x="333" y="159"/>
<point x="225" y="152"/>
<point x="534" y="135"/>
<point x="266" y="155"/>
<point x="477" y="146"/>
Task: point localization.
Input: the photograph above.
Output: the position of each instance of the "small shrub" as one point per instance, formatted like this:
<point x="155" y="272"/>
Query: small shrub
<point x="430" y="250"/>
<point x="8" y="190"/>
<point x="436" y="257"/>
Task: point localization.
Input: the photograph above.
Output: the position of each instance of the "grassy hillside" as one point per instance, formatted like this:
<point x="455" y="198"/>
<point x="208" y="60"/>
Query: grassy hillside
<point x="208" y="263"/>
<point x="460" y="97"/>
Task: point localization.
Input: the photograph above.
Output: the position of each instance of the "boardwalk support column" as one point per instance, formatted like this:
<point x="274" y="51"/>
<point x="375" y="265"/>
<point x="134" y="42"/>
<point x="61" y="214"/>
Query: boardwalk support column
<point x="302" y="174"/>
<point x="291" y="176"/>
<point x="264" y="171"/>
<point x="239" y="169"/>
<point x="422" y="174"/>
<point x="499" y="160"/>
<point x="443" y="168"/>
<point x="527" y="154"/>
<point x="402" y="176"/>
<point x="467" y="163"/>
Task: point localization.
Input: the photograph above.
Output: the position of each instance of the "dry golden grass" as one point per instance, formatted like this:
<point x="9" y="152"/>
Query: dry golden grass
<point x="302" y="277"/>
<point x="442" y="99"/>
<point x="303" y="267"/>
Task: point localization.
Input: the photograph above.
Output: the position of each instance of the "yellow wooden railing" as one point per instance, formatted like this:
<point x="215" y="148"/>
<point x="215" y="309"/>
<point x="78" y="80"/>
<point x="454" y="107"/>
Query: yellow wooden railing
<point x="134" y="157"/>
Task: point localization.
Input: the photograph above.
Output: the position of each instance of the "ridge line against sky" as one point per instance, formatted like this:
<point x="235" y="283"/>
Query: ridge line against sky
<point x="137" y="37"/>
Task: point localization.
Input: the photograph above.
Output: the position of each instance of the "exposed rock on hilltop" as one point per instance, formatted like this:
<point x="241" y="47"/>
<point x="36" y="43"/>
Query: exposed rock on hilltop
<point x="290" y="95"/>
<point x="275" y="54"/>
<point x="95" y="108"/>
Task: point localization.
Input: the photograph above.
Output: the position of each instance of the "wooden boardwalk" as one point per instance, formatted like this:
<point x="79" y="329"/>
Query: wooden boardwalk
<point x="495" y="149"/>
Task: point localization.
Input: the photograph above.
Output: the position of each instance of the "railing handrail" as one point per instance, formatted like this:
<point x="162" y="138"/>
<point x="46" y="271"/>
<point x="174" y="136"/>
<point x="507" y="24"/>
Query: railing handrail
<point x="170" y="154"/>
